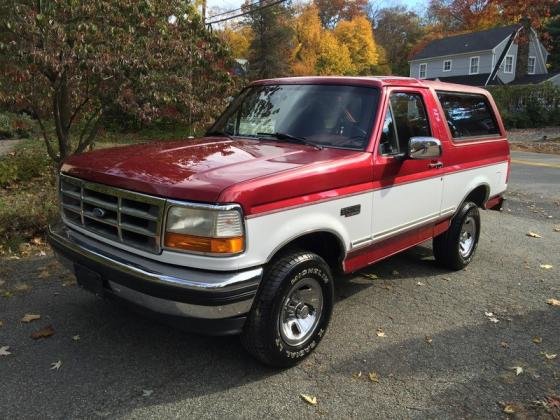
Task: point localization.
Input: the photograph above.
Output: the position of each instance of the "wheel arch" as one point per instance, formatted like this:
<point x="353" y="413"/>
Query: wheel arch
<point x="478" y="194"/>
<point x="328" y="244"/>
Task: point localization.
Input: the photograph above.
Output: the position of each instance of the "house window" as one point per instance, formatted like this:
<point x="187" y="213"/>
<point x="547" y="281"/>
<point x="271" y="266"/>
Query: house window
<point x="422" y="72"/>
<point x="508" y="64"/>
<point x="473" y="68"/>
<point x="447" y="65"/>
<point x="531" y="65"/>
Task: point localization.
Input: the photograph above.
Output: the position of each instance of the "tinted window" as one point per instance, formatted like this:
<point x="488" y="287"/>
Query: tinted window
<point x="328" y="115"/>
<point x="405" y="118"/>
<point x="468" y="115"/>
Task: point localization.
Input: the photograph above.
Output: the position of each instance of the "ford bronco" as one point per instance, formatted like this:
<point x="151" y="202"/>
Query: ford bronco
<point x="244" y="229"/>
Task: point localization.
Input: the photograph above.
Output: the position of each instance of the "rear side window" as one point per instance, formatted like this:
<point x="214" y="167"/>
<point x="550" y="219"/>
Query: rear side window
<point x="468" y="115"/>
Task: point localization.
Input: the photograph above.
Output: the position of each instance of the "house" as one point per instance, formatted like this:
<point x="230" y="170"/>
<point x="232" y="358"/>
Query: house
<point x="490" y="57"/>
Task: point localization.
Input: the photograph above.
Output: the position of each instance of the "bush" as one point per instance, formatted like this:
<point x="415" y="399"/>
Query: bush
<point x="27" y="194"/>
<point x="27" y="162"/>
<point x="13" y="126"/>
<point x="528" y="106"/>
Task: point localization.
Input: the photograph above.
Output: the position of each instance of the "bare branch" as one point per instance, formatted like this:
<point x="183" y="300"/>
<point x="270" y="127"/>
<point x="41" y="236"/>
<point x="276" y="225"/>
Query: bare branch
<point x="92" y="132"/>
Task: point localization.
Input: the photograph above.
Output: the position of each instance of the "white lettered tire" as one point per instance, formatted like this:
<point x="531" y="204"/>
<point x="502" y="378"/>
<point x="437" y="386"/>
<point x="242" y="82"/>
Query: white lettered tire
<point x="292" y="310"/>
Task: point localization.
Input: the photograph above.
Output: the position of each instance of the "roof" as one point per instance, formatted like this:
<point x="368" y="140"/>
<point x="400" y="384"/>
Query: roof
<point x="471" y="80"/>
<point x="459" y="44"/>
<point x="376" y="81"/>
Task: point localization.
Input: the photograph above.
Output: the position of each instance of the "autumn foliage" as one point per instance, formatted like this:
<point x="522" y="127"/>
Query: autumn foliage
<point x="71" y="63"/>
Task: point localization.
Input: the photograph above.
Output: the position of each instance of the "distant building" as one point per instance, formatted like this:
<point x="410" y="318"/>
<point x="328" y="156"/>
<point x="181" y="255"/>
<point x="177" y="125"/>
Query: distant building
<point x="490" y="57"/>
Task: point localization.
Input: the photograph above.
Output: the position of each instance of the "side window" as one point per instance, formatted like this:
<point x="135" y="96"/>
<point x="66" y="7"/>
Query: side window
<point x="468" y="115"/>
<point x="405" y="118"/>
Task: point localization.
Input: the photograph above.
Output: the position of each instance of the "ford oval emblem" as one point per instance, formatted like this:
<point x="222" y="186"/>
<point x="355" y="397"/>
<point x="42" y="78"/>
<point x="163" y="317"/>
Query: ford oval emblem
<point x="99" y="213"/>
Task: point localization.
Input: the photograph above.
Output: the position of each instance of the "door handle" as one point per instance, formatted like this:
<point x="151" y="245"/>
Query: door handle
<point x="435" y="165"/>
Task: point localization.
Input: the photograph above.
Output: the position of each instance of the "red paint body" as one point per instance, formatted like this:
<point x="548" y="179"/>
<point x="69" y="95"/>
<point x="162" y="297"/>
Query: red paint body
<point x="272" y="176"/>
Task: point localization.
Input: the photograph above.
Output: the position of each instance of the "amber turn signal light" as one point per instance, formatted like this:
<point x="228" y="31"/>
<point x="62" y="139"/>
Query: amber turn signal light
<point x="233" y="245"/>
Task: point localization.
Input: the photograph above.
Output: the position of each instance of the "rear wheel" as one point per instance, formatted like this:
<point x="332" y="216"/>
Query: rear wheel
<point x="291" y="311"/>
<point x="455" y="248"/>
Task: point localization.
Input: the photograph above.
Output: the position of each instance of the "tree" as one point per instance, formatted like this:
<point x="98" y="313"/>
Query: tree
<point x="397" y="30"/>
<point x="471" y="15"/>
<point x="308" y="34"/>
<point x="238" y="40"/>
<point x="334" y="57"/>
<point x="357" y="35"/>
<point x="333" y="11"/>
<point x="552" y="30"/>
<point x="271" y="45"/>
<point x="71" y="62"/>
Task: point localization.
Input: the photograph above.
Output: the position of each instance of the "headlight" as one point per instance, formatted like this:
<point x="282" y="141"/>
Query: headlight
<point x="213" y="230"/>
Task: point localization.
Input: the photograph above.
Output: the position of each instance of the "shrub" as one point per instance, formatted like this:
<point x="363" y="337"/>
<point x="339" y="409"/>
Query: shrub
<point x="528" y="106"/>
<point x="16" y="125"/>
<point x="27" y="162"/>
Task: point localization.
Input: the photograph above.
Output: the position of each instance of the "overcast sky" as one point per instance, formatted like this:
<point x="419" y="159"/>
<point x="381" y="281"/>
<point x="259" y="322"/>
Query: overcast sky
<point x="418" y="5"/>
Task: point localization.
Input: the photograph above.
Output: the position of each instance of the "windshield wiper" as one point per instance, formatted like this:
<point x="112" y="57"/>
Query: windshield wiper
<point x="291" y="138"/>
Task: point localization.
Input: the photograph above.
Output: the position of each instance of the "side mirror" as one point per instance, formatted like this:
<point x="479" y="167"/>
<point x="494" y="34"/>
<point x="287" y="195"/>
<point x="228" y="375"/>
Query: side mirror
<point x="424" y="148"/>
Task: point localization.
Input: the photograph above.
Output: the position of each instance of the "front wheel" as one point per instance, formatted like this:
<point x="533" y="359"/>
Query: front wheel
<point x="455" y="248"/>
<point x="291" y="311"/>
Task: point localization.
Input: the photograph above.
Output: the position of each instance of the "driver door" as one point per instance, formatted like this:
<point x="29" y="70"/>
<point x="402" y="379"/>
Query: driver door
<point x="408" y="192"/>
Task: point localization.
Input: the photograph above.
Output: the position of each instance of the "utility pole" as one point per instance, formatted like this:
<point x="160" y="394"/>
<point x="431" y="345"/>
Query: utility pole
<point x="204" y="12"/>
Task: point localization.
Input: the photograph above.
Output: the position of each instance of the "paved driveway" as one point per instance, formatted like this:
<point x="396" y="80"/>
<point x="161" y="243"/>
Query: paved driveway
<point x="443" y="355"/>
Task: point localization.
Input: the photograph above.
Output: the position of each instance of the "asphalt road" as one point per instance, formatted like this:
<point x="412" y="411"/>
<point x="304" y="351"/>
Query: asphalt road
<point x="442" y="356"/>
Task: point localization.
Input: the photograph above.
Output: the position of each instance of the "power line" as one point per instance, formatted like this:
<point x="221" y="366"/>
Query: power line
<point x="234" y="10"/>
<point x="274" y="3"/>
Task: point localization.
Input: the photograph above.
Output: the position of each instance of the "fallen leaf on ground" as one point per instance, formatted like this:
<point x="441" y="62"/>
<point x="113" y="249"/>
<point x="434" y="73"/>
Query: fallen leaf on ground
<point x="370" y="276"/>
<point x="22" y="287"/>
<point x="357" y="375"/>
<point x="509" y="409"/>
<point x="56" y="365"/>
<point x="373" y="376"/>
<point x="533" y="235"/>
<point x="42" y="254"/>
<point x="37" y="241"/>
<point x="546" y="266"/>
<point x="537" y="339"/>
<point x="488" y="314"/>
<point x="420" y="284"/>
<point x="43" y="332"/>
<point x="493" y="319"/>
<point x="309" y="399"/>
<point x="504" y="345"/>
<point x="447" y="278"/>
<point x="549" y="356"/>
<point x="429" y="340"/>
<point x="556" y="228"/>
<point x="518" y="370"/>
<point x="147" y="392"/>
<point x="76" y="337"/>
<point x="30" y="318"/>
<point x="4" y="351"/>
<point x="380" y="332"/>
<point x="553" y="302"/>
<point x="553" y="401"/>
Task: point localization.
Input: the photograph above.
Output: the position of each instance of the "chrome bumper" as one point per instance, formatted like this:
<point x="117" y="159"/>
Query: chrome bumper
<point x="161" y="288"/>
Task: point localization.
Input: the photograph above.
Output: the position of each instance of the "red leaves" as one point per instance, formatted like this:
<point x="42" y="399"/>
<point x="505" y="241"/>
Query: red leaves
<point x="43" y="332"/>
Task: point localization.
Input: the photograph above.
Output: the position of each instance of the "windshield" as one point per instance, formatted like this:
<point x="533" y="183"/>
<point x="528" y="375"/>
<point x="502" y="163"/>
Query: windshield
<point x="325" y="115"/>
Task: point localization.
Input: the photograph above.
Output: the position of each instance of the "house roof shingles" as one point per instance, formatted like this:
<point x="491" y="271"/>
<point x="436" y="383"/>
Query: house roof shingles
<point x="472" y="79"/>
<point x="471" y="42"/>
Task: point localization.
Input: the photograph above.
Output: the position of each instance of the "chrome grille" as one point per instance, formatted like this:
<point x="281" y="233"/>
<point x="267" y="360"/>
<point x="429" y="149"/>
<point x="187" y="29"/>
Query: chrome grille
<point x="119" y="215"/>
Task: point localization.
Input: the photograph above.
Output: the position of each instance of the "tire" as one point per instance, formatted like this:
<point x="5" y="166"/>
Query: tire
<point x="455" y="248"/>
<point x="288" y="319"/>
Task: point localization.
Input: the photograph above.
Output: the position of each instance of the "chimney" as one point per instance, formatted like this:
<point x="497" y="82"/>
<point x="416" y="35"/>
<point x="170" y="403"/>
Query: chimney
<point x="523" y="40"/>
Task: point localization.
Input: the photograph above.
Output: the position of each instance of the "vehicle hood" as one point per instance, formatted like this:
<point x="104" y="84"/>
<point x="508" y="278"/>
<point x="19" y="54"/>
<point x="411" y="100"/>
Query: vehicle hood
<point x="193" y="169"/>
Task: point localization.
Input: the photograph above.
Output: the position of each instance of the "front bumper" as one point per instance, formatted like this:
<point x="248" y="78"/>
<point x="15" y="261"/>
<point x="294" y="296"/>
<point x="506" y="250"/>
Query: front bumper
<point x="207" y="301"/>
